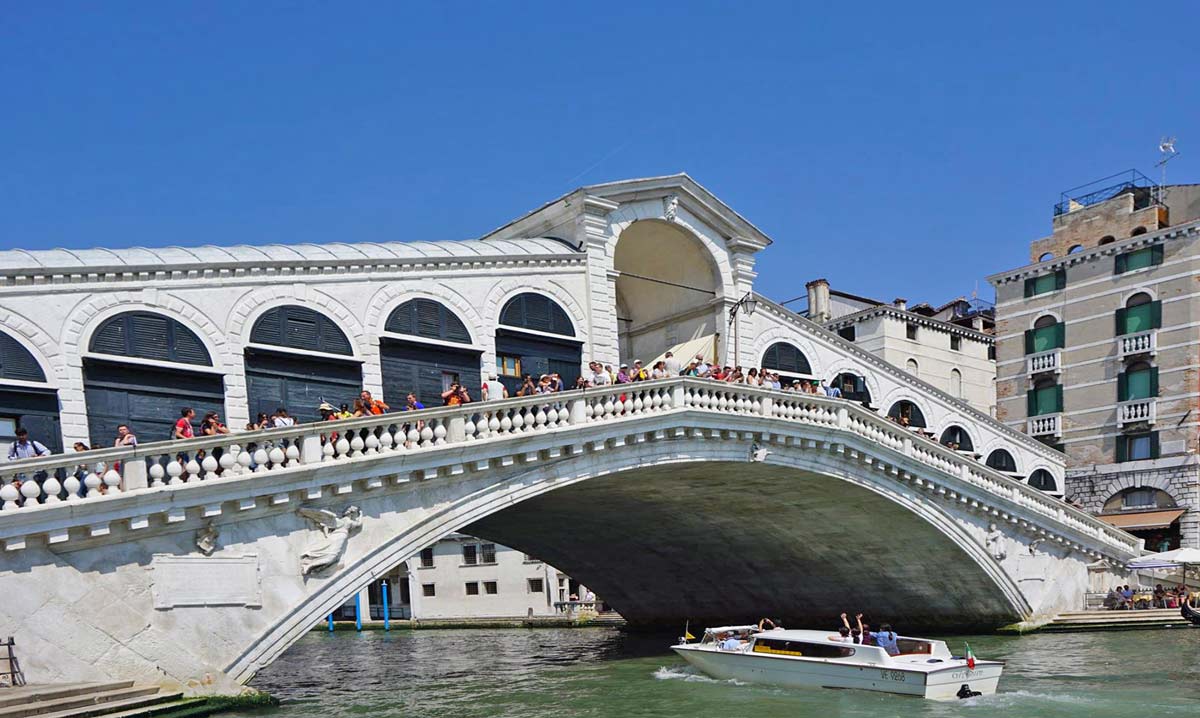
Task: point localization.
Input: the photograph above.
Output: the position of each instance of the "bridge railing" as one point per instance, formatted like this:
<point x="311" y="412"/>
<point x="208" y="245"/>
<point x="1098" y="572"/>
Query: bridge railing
<point x="95" y="475"/>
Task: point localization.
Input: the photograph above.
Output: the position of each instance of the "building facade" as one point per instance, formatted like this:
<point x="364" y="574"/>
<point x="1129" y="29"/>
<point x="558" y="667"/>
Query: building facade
<point x="467" y="578"/>
<point x="1097" y="343"/>
<point x="950" y="346"/>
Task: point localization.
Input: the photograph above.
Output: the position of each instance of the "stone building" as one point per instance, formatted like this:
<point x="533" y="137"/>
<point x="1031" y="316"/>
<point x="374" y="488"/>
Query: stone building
<point x="950" y="346"/>
<point x="464" y="578"/>
<point x="1096" y="345"/>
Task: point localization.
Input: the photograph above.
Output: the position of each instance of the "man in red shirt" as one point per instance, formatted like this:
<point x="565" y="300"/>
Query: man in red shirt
<point x="375" y="406"/>
<point x="183" y="427"/>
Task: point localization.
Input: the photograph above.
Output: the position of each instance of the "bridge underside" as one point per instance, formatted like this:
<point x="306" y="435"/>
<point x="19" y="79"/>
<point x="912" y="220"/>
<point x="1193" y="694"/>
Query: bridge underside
<point x="728" y="542"/>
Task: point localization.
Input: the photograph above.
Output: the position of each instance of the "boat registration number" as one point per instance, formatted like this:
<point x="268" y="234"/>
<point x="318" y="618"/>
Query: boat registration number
<point x="893" y="675"/>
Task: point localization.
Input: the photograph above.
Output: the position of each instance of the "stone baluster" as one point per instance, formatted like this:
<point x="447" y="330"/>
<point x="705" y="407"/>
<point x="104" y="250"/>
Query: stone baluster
<point x="229" y="462"/>
<point x="245" y="459"/>
<point x="112" y="482"/>
<point x="52" y="488"/>
<point x="261" y="458"/>
<point x="277" y="457"/>
<point x="192" y="468"/>
<point x="210" y="466"/>
<point x="30" y="491"/>
<point x="10" y="495"/>
<point x="356" y="445"/>
<point x="92" y="483"/>
<point x="71" y="484"/>
<point x="291" y="455"/>
<point x="386" y="441"/>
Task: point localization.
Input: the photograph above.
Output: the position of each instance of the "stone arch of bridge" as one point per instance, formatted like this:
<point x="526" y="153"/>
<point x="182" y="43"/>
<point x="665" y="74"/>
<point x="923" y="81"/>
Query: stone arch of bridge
<point x="761" y="570"/>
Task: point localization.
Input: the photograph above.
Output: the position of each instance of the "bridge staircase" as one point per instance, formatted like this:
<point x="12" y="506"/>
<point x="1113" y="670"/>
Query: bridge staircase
<point x="1106" y="620"/>
<point x="116" y="699"/>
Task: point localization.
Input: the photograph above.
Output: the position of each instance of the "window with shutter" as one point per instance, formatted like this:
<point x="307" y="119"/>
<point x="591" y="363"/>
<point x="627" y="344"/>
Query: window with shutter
<point x="429" y="319"/>
<point x="784" y="357"/>
<point x="149" y="336"/>
<point x="536" y="312"/>
<point x="297" y="327"/>
<point x="1045" y="338"/>
<point x="1139" y="259"/>
<point x="17" y="363"/>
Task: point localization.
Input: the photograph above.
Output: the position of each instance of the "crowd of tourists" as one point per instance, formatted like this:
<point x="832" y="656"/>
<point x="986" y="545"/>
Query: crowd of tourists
<point x="1124" y="598"/>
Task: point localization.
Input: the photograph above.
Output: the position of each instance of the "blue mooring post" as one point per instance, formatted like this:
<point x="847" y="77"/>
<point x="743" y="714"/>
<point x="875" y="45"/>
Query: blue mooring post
<point x="387" y="609"/>
<point x="331" y="623"/>
<point x="357" y="613"/>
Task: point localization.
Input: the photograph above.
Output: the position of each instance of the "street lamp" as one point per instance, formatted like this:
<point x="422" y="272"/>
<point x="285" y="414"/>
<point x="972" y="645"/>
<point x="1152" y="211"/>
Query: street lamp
<point x="749" y="303"/>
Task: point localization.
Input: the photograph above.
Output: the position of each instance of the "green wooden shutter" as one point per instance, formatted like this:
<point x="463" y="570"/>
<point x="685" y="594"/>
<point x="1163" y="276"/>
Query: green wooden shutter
<point x="1156" y="314"/>
<point x="1120" y="321"/>
<point x="1028" y="341"/>
<point x="1119" y="264"/>
<point x="1156" y="254"/>
<point x="1154" y="448"/>
<point x="1122" y="448"/>
<point x="1060" y="335"/>
<point x="1154" y="381"/>
<point x="1122" y="387"/>
<point x="1029" y="287"/>
<point x="1031" y="402"/>
<point x="1060" y="279"/>
<point x="1058" y="398"/>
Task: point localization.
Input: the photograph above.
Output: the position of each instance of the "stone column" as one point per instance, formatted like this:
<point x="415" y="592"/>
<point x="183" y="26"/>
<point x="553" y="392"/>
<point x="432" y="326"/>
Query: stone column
<point x="741" y="259"/>
<point x="594" y="234"/>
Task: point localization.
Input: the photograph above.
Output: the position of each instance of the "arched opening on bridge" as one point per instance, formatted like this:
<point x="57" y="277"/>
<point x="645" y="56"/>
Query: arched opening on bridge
<point x="788" y="360"/>
<point x="1002" y="460"/>
<point x="26" y="399"/>
<point x="536" y="337"/>
<point x="1148" y="513"/>
<point x="666" y="291"/>
<point x="141" y="369"/>
<point x="1043" y="480"/>
<point x="853" y="387"/>
<point x="298" y="358"/>
<point x="957" y="438"/>
<point x="906" y="413"/>
<point x="425" y="347"/>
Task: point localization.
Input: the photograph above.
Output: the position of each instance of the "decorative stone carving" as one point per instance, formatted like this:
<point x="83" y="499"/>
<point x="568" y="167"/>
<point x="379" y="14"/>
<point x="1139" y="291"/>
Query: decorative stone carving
<point x="670" y="207"/>
<point x="206" y="539"/>
<point x="335" y="532"/>
<point x="994" y="542"/>
<point x="1033" y="546"/>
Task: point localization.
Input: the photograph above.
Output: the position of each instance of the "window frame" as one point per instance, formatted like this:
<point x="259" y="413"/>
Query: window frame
<point x="491" y="588"/>
<point x="1056" y="281"/>
<point x="426" y="557"/>
<point x="1153" y="255"/>
<point x="540" y="583"/>
<point x="429" y="590"/>
<point x="471" y="588"/>
<point x="484" y="550"/>
<point x="1125" y="445"/>
<point x="470" y="554"/>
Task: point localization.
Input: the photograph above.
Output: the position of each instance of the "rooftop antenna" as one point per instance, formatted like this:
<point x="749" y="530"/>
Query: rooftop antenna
<point x="1167" y="152"/>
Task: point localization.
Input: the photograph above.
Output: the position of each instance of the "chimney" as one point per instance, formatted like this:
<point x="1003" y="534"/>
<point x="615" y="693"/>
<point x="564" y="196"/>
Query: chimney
<point x="900" y="303"/>
<point x="977" y="323"/>
<point x="818" y="301"/>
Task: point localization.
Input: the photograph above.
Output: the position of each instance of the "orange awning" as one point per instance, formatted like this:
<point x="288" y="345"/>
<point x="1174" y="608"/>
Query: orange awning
<point x="1143" y="520"/>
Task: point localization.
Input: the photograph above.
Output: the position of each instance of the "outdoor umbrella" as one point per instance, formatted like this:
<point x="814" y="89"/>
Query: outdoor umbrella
<point x="1168" y="559"/>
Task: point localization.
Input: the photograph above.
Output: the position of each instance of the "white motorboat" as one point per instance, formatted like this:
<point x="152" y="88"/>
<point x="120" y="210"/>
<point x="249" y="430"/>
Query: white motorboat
<point x="785" y="657"/>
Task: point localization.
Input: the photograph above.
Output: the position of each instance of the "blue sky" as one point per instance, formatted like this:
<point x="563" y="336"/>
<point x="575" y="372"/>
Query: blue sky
<point x="896" y="149"/>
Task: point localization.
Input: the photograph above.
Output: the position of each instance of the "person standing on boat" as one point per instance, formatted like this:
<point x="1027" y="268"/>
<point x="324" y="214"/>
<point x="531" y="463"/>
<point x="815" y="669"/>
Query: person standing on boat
<point x="885" y="638"/>
<point x="864" y="630"/>
<point x="731" y="642"/>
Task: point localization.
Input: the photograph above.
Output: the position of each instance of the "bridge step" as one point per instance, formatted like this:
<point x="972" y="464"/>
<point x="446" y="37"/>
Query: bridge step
<point x="1116" y="620"/>
<point x="91" y="703"/>
<point x="27" y="694"/>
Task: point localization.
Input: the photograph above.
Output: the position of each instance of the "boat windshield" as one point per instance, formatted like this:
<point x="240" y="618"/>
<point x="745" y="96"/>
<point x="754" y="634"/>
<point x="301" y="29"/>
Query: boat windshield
<point x="914" y="646"/>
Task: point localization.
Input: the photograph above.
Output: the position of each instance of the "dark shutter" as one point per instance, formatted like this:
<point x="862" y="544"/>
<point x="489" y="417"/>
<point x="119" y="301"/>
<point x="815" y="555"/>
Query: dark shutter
<point x="1122" y="448"/>
<point x="1058" y="397"/>
<point x="1119" y="264"/>
<point x="16" y="362"/>
<point x="1156" y="254"/>
<point x="1156" y="314"/>
<point x="1120" y="323"/>
<point x="429" y="319"/>
<point x="1029" y="341"/>
<point x="110" y="338"/>
<point x="1060" y="335"/>
<point x="1122" y="386"/>
<point x="1060" y="279"/>
<point x="1031" y="402"/>
<point x="1154" y="381"/>
<point x="784" y="357"/>
<point x="300" y="328"/>
<point x="150" y="336"/>
<point x="536" y="312"/>
<point x="1029" y="287"/>
<point x="1154" y="447"/>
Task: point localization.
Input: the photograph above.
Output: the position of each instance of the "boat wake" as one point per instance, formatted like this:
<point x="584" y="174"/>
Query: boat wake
<point x="683" y="674"/>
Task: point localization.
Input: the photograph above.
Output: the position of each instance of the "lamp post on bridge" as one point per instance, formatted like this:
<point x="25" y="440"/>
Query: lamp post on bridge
<point x="749" y="302"/>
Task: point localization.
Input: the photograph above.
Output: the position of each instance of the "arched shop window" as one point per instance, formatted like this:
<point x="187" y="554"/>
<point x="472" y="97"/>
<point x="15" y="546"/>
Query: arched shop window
<point x="536" y="337"/>
<point x="957" y="437"/>
<point x="1001" y="460"/>
<point x="167" y="373"/>
<point x="853" y="387"/>
<point x="300" y="328"/>
<point x="906" y="410"/>
<point x="1043" y="481"/>
<point x="22" y="405"/>
<point x="421" y="358"/>
<point x="786" y="359"/>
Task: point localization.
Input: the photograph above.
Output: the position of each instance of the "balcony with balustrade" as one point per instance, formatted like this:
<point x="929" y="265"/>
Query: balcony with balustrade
<point x="1043" y="362"/>
<point x="1137" y="411"/>
<point x="1044" y="425"/>
<point x="1139" y="344"/>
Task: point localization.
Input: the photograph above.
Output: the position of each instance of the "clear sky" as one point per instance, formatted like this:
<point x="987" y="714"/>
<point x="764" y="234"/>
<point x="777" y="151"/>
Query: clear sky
<point x="898" y="149"/>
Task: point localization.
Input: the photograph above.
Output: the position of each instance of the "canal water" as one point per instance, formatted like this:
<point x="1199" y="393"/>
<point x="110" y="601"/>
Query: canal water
<point x="602" y="673"/>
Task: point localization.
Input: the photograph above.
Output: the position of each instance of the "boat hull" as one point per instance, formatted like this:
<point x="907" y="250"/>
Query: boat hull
<point x="939" y="684"/>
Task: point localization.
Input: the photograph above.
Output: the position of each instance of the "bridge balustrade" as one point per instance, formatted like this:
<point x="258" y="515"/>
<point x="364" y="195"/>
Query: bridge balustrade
<point x="108" y="473"/>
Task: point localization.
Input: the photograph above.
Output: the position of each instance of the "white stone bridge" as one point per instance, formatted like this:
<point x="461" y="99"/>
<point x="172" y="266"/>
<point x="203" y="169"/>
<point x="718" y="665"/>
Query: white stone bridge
<point x="675" y="499"/>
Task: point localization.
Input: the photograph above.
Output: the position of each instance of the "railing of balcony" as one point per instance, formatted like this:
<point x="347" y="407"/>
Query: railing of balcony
<point x="1138" y="410"/>
<point x="31" y="485"/>
<point x="1044" y="361"/>
<point x="1141" y="343"/>
<point x="1048" y="424"/>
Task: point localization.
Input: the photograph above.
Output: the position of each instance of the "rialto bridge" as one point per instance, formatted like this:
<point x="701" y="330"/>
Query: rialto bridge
<point x="681" y="498"/>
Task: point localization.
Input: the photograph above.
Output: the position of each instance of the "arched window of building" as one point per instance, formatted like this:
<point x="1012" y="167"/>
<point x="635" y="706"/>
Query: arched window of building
<point x="1046" y="256"/>
<point x="1075" y="248"/>
<point x="1139" y="381"/>
<point x="906" y="413"/>
<point x="21" y="405"/>
<point x="956" y="389"/>
<point x="1140" y="314"/>
<point x="427" y="319"/>
<point x="786" y="359"/>
<point x="146" y="396"/>
<point x="145" y="335"/>
<point x="1002" y="460"/>
<point x="1047" y="333"/>
<point x="538" y="313"/>
<point x="1043" y="480"/>
<point x="911" y="367"/>
<point x="1106" y="239"/>
<point x="524" y="345"/>
<point x="1137" y="230"/>
<point x="426" y="368"/>
<point x="297" y="327"/>
<point x="957" y="438"/>
<point x="1139" y="498"/>
<point x="853" y="387"/>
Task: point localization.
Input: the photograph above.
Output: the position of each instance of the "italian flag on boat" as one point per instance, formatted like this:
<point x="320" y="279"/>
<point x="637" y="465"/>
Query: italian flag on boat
<point x="970" y="658"/>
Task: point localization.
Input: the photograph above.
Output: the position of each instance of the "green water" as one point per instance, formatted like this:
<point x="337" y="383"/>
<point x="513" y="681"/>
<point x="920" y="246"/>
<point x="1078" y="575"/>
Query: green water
<point x="603" y="672"/>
